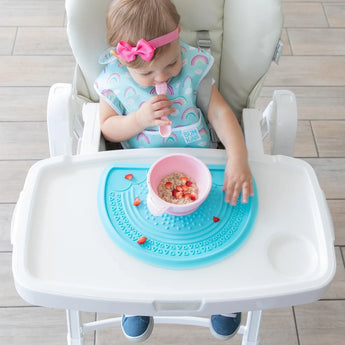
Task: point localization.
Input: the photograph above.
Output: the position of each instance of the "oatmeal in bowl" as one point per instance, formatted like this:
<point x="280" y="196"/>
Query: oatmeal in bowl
<point x="177" y="188"/>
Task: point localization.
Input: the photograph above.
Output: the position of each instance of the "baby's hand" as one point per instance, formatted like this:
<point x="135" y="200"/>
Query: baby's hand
<point x="237" y="178"/>
<point x="150" y="113"/>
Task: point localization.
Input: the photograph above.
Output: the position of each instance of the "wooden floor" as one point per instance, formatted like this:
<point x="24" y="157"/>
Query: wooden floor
<point x="34" y="54"/>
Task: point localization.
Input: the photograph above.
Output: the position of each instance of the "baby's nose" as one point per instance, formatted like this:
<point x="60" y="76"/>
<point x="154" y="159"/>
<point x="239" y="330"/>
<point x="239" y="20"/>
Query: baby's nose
<point x="162" y="77"/>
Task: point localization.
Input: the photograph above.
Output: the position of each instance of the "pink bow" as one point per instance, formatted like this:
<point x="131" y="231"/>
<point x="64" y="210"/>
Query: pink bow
<point x="128" y="53"/>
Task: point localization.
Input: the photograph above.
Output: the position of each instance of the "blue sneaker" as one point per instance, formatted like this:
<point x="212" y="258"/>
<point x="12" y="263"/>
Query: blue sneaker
<point x="137" y="328"/>
<point x="225" y="327"/>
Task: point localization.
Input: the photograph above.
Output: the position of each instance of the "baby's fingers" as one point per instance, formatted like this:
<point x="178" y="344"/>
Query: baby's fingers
<point x="232" y="191"/>
<point x="161" y="105"/>
<point x="234" y="196"/>
<point x="247" y="190"/>
<point x="163" y="112"/>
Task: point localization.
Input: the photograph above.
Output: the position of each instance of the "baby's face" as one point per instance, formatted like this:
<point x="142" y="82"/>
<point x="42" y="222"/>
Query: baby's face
<point x="162" y="69"/>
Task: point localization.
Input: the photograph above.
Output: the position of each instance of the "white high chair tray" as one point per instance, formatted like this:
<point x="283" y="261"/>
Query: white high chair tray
<point x="63" y="257"/>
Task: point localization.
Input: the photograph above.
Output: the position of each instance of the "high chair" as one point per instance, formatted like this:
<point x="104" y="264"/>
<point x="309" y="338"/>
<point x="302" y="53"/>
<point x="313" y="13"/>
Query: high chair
<point x="70" y="263"/>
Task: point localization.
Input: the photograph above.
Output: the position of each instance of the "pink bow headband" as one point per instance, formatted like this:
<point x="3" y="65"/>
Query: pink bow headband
<point x="143" y="48"/>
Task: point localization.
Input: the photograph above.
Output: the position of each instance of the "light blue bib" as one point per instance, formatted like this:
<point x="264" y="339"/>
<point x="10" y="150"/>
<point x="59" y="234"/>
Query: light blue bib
<point x="124" y="95"/>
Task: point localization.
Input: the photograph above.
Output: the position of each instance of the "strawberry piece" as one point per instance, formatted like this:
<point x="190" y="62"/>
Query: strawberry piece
<point x="184" y="179"/>
<point x="216" y="219"/>
<point x="141" y="240"/>
<point x="179" y="188"/>
<point x="179" y="195"/>
<point x="129" y="176"/>
<point x="185" y="188"/>
<point x="189" y="183"/>
<point x="193" y="196"/>
<point x="174" y="192"/>
<point x="168" y="184"/>
<point x="136" y="201"/>
<point x="187" y="195"/>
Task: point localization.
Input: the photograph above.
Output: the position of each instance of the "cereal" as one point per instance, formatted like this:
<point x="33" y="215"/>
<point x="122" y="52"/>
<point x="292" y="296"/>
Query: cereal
<point x="177" y="188"/>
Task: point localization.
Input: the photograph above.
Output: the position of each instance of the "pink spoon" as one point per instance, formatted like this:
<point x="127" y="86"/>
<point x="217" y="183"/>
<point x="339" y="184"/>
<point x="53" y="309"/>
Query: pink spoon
<point x="165" y="131"/>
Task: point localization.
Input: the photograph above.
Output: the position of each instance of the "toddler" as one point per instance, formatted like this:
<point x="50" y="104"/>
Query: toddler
<point x="146" y="52"/>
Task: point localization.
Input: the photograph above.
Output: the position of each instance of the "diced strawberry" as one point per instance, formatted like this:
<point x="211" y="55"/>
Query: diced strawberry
<point x="179" y="195"/>
<point x="179" y="188"/>
<point x="168" y="184"/>
<point x="184" y="179"/>
<point x="193" y="196"/>
<point x="189" y="183"/>
<point x="136" y="201"/>
<point x="129" y="176"/>
<point x="216" y="219"/>
<point x="185" y="188"/>
<point x="187" y="195"/>
<point x="141" y="240"/>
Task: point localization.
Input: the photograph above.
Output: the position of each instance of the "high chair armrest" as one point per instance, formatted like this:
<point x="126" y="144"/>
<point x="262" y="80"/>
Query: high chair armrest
<point x="59" y="119"/>
<point x="91" y="139"/>
<point x="280" y="122"/>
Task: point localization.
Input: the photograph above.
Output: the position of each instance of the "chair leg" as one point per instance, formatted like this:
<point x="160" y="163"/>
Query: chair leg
<point x="75" y="334"/>
<point x="251" y="330"/>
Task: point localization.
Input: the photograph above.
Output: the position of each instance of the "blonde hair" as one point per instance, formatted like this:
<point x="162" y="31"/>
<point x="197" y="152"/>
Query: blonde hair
<point x="131" y="20"/>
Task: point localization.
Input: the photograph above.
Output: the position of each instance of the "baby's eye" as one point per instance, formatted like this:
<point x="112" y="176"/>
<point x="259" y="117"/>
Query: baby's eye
<point x="172" y="64"/>
<point x="146" y="73"/>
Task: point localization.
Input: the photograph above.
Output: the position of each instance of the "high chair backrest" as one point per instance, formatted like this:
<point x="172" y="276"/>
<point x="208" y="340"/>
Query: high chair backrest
<point x="244" y="36"/>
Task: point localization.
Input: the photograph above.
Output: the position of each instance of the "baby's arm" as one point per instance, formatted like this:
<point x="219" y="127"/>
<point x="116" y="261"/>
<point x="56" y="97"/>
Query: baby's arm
<point x="118" y="128"/>
<point x="237" y="173"/>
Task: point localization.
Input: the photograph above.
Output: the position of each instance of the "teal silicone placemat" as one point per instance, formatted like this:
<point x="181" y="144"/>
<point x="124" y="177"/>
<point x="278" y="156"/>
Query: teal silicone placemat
<point x="177" y="242"/>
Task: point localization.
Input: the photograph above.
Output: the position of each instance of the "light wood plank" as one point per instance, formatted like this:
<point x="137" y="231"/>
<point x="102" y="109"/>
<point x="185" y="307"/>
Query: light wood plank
<point x="303" y="14"/>
<point x="8" y="293"/>
<point x="310" y="91"/>
<point x="317" y="41"/>
<point x="313" y="103"/>
<point x="35" y="41"/>
<point x="285" y="39"/>
<point x="335" y="14"/>
<point x="23" y="103"/>
<point x="23" y="140"/>
<point x="321" y="322"/>
<point x="278" y="327"/>
<point x="331" y="175"/>
<point x="304" y="145"/>
<point x="32" y="12"/>
<point x="35" y="70"/>
<point x="6" y="211"/>
<point x="36" y="326"/>
<point x="330" y="138"/>
<point x="337" y="288"/>
<point x="307" y="70"/>
<point x="314" y="108"/>
<point x="323" y="1"/>
<point x="7" y="37"/>
<point x="317" y="108"/>
<point x="337" y="208"/>
<point x="12" y="176"/>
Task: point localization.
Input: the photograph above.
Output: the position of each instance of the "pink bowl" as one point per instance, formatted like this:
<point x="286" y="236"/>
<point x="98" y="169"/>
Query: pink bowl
<point x="188" y="165"/>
